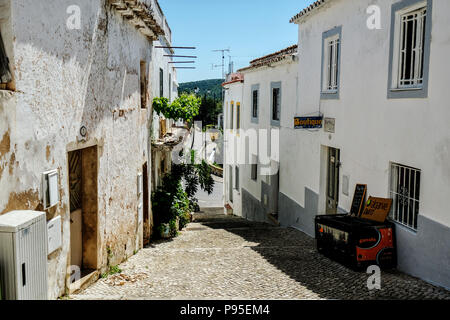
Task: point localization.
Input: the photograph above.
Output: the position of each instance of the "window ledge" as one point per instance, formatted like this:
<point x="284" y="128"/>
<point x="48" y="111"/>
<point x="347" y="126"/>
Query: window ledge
<point x="275" y="123"/>
<point x="329" y="95"/>
<point x="329" y="92"/>
<point x="406" y="89"/>
<point x="404" y="226"/>
<point x="408" y="93"/>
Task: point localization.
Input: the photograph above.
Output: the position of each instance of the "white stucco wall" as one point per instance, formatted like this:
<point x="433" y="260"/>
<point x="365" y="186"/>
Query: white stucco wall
<point x="286" y="73"/>
<point x="233" y="94"/>
<point x="372" y="130"/>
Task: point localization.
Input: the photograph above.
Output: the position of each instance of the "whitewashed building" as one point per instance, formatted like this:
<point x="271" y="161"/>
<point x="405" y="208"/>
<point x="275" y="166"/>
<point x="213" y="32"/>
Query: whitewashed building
<point x="233" y="97"/>
<point x="75" y="106"/>
<point x="255" y="111"/>
<point x="166" y="86"/>
<point x="376" y="71"/>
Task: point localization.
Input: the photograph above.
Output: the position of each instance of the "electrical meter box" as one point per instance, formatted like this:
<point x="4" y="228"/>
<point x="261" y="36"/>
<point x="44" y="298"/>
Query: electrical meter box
<point x="23" y="255"/>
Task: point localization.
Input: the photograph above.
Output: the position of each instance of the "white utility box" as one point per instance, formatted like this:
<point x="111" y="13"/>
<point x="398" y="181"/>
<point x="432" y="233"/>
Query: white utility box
<point x="23" y="255"/>
<point x="54" y="234"/>
<point x="50" y="189"/>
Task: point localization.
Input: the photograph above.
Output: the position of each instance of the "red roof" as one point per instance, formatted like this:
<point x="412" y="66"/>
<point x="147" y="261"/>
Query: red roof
<point x="234" y="77"/>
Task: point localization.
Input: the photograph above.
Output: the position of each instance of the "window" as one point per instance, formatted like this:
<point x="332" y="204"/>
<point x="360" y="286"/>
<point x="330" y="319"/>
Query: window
<point x="331" y="51"/>
<point x="230" y="183"/>
<point x="412" y="34"/>
<point x="331" y="66"/>
<point x="254" y="172"/>
<point x="161" y="83"/>
<point x="143" y="85"/>
<point x="170" y="87"/>
<point x="405" y="192"/>
<point x="255" y="102"/>
<point x="236" y="178"/>
<point x="226" y="116"/>
<point x="5" y="73"/>
<point x="238" y="116"/>
<point x="410" y="46"/>
<point x="276" y="103"/>
<point x="231" y="115"/>
<point x="254" y="167"/>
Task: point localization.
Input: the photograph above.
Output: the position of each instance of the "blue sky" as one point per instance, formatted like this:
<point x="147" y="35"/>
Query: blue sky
<point x="250" y="28"/>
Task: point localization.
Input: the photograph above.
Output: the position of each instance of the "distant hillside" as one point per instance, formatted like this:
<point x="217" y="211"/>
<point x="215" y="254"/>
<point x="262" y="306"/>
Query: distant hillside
<point x="211" y="107"/>
<point x="212" y="85"/>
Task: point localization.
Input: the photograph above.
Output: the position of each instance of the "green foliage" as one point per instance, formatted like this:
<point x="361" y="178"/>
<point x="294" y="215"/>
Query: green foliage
<point x="173" y="227"/>
<point x="109" y="252"/>
<point x="185" y="218"/>
<point x="112" y="270"/>
<point x="185" y="107"/>
<point x="160" y="105"/>
<point x="161" y="229"/>
<point x="205" y="177"/>
<point x="171" y="201"/>
<point x="211" y="93"/>
<point x="209" y="111"/>
<point x="192" y="156"/>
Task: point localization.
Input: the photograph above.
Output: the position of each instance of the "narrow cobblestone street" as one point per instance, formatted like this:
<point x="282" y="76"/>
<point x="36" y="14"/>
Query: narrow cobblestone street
<point x="224" y="257"/>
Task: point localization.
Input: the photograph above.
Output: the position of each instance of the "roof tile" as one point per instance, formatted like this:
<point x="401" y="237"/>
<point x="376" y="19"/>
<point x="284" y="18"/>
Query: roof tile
<point x="308" y="9"/>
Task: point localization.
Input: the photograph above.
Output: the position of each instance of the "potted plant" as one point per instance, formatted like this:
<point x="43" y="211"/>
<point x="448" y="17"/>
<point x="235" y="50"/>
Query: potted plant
<point x="164" y="230"/>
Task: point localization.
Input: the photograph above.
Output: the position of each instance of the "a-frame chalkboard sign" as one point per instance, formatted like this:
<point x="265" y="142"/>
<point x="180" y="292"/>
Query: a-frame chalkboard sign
<point x="359" y="199"/>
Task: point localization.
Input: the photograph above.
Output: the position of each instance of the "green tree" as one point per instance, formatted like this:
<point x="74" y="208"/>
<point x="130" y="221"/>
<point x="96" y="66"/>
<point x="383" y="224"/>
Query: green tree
<point x="185" y="107"/>
<point x="209" y="111"/>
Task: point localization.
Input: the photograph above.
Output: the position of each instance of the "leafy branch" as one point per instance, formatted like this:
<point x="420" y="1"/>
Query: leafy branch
<point x="185" y="107"/>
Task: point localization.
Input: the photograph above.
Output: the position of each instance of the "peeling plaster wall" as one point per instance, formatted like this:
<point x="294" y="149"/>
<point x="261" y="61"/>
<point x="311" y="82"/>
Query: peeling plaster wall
<point x="66" y="79"/>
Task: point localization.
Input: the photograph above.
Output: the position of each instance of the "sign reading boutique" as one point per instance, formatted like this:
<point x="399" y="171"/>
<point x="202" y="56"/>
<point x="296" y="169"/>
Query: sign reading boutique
<point x="308" y="122"/>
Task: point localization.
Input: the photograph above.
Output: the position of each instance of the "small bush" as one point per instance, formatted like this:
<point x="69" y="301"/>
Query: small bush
<point x="171" y="202"/>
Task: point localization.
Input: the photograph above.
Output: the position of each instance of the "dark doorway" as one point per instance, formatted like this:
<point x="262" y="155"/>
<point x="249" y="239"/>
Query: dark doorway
<point x="83" y="170"/>
<point x="333" y="180"/>
<point x="147" y="224"/>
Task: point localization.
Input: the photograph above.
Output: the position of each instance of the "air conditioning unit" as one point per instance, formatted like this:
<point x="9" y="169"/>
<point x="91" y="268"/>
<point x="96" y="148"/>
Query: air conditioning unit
<point x="23" y="255"/>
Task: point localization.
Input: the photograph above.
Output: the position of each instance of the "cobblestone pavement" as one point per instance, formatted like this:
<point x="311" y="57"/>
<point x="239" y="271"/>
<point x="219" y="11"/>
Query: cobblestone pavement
<point x="223" y="257"/>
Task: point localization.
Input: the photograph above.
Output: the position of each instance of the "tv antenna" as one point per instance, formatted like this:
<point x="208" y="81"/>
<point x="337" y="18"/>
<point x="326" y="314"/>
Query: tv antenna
<point x="223" y="60"/>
